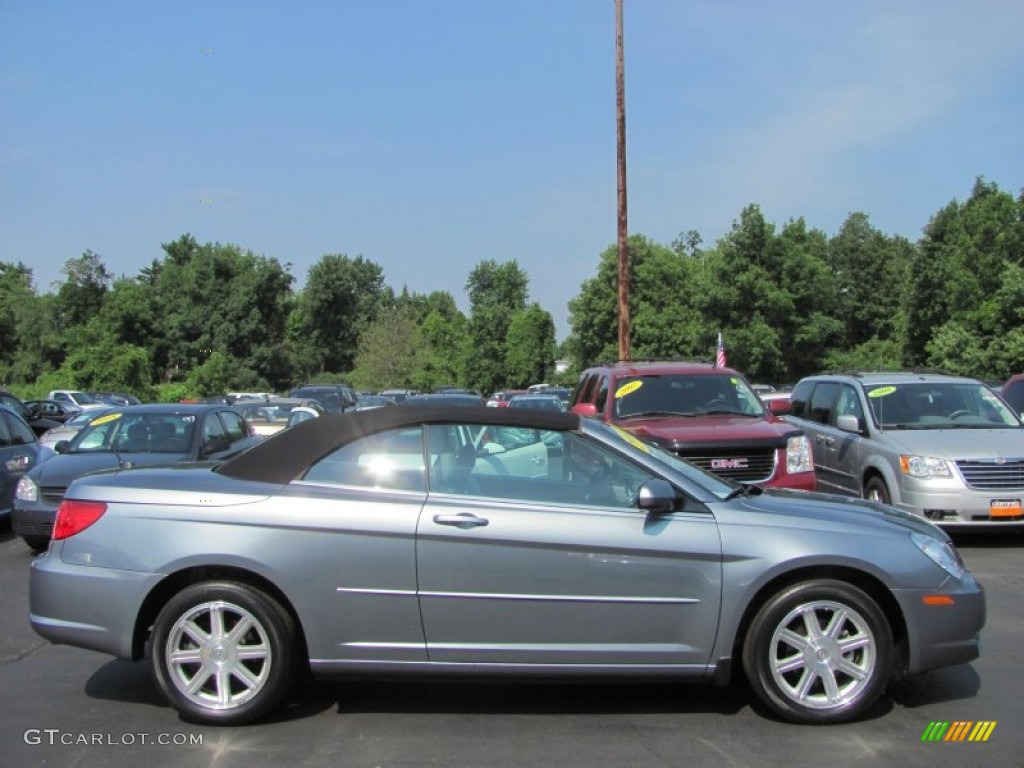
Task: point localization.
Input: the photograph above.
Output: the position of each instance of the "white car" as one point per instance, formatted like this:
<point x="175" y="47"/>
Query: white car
<point x="76" y="398"/>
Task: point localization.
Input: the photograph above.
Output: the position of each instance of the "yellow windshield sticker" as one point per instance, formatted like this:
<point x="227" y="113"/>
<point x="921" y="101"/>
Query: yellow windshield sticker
<point x="105" y="419"/>
<point x="881" y="391"/>
<point x="632" y="439"/>
<point x="734" y="381"/>
<point x="626" y="389"/>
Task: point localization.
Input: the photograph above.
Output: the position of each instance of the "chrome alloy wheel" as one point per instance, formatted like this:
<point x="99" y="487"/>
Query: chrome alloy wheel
<point x="822" y="655"/>
<point x="218" y="655"/>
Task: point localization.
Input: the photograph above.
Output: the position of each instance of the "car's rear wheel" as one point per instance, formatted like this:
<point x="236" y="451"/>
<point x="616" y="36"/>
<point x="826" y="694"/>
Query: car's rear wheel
<point x="877" y="490"/>
<point x="819" y="652"/>
<point x="223" y="653"/>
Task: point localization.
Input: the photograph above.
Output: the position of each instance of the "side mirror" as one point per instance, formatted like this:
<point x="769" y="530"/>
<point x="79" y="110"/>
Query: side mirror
<point x="657" y="497"/>
<point x="586" y="410"/>
<point x="848" y="423"/>
<point x="779" y="407"/>
<point x="62" y="446"/>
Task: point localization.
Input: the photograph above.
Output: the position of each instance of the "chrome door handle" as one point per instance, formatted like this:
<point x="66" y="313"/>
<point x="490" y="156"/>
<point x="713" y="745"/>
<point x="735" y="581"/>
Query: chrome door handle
<point x="464" y="520"/>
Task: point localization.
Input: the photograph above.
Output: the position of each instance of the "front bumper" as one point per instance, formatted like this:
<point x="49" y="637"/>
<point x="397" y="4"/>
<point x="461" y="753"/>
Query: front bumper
<point x="956" y="506"/>
<point x="94" y="608"/>
<point x="33" y="518"/>
<point x="943" y="635"/>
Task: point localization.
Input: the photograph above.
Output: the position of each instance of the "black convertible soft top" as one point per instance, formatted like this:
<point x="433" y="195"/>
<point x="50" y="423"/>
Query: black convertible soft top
<point x="287" y="454"/>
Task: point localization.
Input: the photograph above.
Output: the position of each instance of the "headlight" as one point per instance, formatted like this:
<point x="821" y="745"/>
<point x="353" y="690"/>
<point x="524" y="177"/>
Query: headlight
<point x="798" y="455"/>
<point x="941" y="553"/>
<point x="27" y="489"/>
<point x="925" y="466"/>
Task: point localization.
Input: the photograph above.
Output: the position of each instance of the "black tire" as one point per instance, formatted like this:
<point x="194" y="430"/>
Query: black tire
<point x="37" y="543"/>
<point x="877" y="490"/>
<point x="819" y="652"/>
<point x="227" y="687"/>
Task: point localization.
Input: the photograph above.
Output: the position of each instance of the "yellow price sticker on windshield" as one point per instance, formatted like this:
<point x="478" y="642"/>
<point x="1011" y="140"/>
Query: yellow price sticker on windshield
<point x="626" y="389"/>
<point x="105" y="419"/>
<point x="881" y="391"/>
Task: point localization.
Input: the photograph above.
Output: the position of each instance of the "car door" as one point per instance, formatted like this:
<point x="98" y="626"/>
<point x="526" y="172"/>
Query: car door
<point x="846" y="448"/>
<point x="815" y="417"/>
<point x="552" y="571"/>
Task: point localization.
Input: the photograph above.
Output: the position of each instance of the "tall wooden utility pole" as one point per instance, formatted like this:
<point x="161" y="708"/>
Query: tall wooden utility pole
<point x="620" y="103"/>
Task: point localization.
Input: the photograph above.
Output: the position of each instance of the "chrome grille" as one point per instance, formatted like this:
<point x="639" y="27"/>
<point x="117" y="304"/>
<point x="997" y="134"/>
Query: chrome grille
<point x="990" y="475"/>
<point x="51" y="494"/>
<point x="750" y="466"/>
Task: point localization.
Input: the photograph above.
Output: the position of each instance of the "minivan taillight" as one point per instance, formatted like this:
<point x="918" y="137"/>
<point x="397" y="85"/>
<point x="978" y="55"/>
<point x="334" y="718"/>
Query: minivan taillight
<point x="75" y="516"/>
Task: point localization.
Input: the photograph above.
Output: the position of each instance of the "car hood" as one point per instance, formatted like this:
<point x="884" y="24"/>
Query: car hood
<point x="802" y="509"/>
<point x="959" y="443"/>
<point x="720" y="431"/>
<point x="60" y="470"/>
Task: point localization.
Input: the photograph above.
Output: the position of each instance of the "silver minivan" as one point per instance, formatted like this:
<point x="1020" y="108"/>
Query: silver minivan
<point x="943" y="447"/>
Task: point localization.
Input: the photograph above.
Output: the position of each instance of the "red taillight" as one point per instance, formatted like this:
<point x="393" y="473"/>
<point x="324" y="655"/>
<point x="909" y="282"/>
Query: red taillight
<point x="75" y="516"/>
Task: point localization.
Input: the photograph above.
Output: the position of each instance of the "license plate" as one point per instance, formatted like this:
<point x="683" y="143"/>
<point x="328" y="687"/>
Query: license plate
<point x="1004" y="508"/>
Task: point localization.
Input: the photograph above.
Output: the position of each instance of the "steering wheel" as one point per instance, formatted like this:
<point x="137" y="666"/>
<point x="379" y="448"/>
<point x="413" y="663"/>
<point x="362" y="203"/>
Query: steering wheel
<point x="712" y="405"/>
<point x="958" y="414"/>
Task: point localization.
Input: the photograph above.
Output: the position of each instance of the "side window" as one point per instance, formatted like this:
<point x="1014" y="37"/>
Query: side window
<point x="213" y="429"/>
<point x="21" y="433"/>
<point x="798" y="400"/>
<point x="848" y="404"/>
<point x="823" y="401"/>
<point x="235" y="425"/>
<point x="602" y="394"/>
<point x="583" y="389"/>
<point x="530" y="465"/>
<point x="390" y="460"/>
<point x="5" y="432"/>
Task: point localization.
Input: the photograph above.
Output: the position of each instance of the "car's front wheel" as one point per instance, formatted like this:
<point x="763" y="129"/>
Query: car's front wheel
<point x="877" y="490"/>
<point x="819" y="652"/>
<point x="223" y="653"/>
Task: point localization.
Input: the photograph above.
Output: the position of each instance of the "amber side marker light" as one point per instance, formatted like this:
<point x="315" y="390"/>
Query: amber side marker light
<point x="75" y="516"/>
<point x="938" y="600"/>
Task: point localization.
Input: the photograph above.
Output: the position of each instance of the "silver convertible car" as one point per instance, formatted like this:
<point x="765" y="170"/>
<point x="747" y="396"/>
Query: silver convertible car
<point x="441" y="540"/>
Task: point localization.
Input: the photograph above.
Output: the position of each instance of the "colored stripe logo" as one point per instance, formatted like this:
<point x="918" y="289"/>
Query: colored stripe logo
<point x="959" y="730"/>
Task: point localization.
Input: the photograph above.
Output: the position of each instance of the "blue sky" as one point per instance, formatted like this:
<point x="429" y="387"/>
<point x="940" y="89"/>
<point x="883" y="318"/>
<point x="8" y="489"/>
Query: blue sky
<point x="428" y="135"/>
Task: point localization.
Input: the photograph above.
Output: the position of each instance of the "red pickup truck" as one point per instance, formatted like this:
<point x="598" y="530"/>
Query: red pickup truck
<point x="707" y="415"/>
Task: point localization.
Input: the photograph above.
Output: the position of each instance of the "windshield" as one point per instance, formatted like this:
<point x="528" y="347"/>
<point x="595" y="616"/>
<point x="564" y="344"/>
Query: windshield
<point x="684" y="395"/>
<point x="83" y="399"/>
<point x="925" y="405"/>
<point x="136" y="433"/>
<point x="719" y="486"/>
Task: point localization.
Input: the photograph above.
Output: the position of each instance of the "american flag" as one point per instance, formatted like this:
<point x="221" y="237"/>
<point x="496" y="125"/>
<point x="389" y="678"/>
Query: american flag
<point x="720" y="352"/>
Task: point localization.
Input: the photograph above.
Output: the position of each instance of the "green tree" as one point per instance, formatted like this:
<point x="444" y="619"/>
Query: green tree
<point x="81" y="295"/>
<point x="663" y="317"/>
<point x="871" y="272"/>
<point x="341" y="298"/>
<point x="390" y="351"/>
<point x="217" y="298"/>
<point x="496" y="293"/>
<point x="530" y="347"/>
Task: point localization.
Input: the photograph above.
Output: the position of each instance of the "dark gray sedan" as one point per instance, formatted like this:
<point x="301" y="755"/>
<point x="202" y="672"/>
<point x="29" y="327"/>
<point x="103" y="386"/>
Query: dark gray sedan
<point x="454" y="541"/>
<point x="133" y="436"/>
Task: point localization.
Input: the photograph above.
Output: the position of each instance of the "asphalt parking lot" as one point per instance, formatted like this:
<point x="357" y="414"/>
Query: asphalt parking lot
<point x="64" y="706"/>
